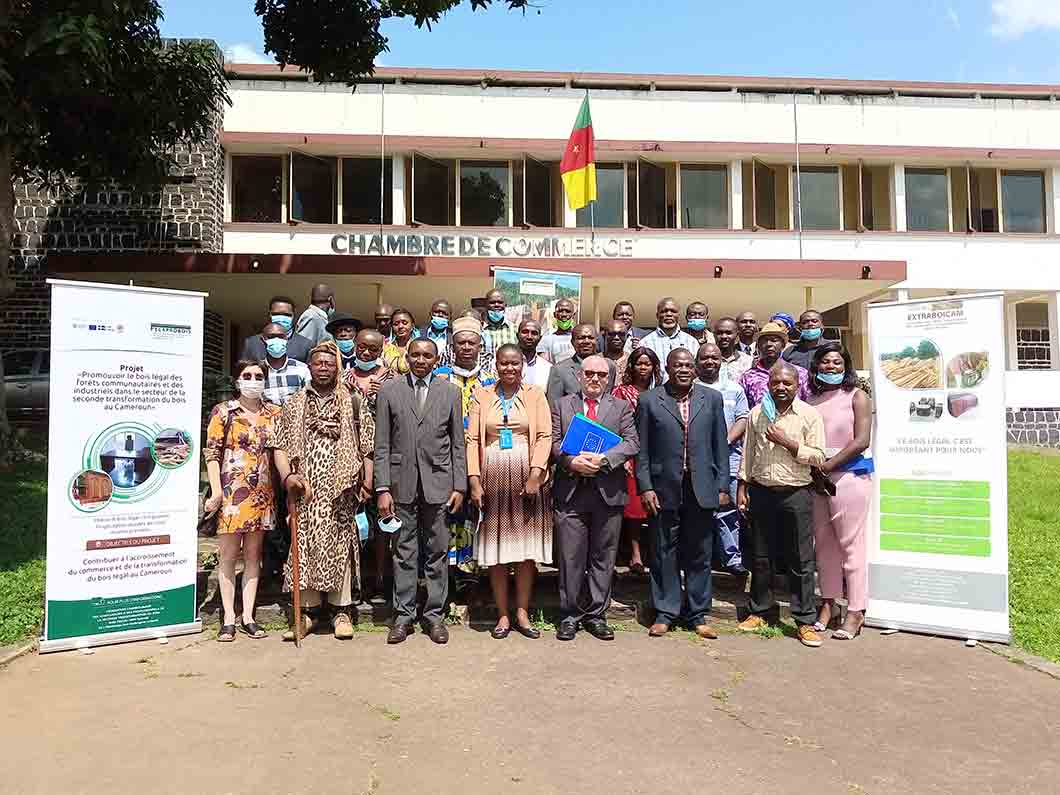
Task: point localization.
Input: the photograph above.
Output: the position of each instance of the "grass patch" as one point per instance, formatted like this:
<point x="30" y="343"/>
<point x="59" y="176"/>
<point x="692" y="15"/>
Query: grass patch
<point x="23" y="493"/>
<point x="1034" y="552"/>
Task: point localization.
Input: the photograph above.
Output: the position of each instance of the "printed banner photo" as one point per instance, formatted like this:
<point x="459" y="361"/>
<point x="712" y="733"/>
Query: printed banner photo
<point x="123" y="464"/>
<point x="938" y="553"/>
<point x="533" y="294"/>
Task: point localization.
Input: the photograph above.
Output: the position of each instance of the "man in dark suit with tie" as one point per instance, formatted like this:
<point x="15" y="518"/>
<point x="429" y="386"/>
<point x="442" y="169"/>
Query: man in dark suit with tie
<point x="588" y="497"/>
<point x="421" y="476"/>
<point x="563" y="379"/>
<point x="281" y="312"/>
<point x="682" y="476"/>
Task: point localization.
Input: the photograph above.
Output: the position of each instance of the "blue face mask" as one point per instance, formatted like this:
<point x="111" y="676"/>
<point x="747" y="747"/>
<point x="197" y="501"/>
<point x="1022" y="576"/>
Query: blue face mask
<point x="276" y="347"/>
<point x="812" y="333"/>
<point x="769" y="408"/>
<point x="283" y="321"/>
<point x="439" y="323"/>
<point x="697" y="323"/>
<point x="495" y="315"/>
<point x="361" y="364"/>
<point x="832" y="379"/>
<point x="346" y="346"/>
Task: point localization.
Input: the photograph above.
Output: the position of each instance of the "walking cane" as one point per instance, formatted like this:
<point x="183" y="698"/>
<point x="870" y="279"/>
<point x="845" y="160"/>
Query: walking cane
<point x="296" y="578"/>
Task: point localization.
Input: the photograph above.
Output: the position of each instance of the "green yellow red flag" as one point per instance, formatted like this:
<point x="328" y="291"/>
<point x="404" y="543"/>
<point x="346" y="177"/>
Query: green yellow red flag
<point x="578" y="166"/>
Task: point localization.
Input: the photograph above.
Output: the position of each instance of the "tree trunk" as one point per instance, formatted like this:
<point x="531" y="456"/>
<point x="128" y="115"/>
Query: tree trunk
<point x="7" y="285"/>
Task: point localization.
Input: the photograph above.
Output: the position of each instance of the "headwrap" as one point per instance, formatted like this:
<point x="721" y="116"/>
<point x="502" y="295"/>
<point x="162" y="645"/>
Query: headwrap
<point x="327" y="346"/>
<point x="784" y="318"/>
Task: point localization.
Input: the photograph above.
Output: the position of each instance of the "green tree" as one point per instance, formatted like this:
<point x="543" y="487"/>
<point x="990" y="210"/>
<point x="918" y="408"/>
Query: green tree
<point x="926" y="350"/>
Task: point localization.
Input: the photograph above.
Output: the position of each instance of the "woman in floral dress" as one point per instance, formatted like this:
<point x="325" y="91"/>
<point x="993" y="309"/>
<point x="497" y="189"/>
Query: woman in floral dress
<point x="239" y="466"/>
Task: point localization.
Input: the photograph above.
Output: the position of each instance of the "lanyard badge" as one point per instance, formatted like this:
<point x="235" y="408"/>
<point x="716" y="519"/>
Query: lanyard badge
<point x="506" y="432"/>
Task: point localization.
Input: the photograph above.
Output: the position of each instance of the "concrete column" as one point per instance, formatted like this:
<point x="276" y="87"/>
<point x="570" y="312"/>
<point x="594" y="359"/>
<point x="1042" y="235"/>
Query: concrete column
<point x="736" y="194"/>
<point x="1054" y="331"/>
<point x="596" y="305"/>
<point x="898" y="197"/>
<point x="399" y="190"/>
<point x="570" y="217"/>
<point x="1010" y="335"/>
<point x="1052" y="200"/>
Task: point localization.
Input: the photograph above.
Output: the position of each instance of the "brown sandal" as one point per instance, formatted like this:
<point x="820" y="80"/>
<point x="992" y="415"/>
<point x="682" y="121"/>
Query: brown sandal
<point x="227" y="633"/>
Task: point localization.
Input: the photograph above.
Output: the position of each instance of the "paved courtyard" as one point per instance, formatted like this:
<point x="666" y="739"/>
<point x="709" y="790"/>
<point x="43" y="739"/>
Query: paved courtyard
<point x="897" y="714"/>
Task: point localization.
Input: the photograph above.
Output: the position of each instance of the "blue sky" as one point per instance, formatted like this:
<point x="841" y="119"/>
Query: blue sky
<point x="953" y="40"/>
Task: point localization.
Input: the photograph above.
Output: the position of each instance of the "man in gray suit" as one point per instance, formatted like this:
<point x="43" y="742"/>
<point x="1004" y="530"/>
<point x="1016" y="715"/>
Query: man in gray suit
<point x="588" y="497"/>
<point x="421" y="476"/>
<point x="682" y="478"/>
<point x="564" y="380"/>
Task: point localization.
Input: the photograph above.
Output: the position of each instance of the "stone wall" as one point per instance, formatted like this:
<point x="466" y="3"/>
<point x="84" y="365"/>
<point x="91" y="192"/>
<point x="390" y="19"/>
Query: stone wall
<point x="1038" y="427"/>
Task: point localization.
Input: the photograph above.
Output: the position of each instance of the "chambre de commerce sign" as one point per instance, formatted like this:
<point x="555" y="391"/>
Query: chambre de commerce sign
<point x="426" y="245"/>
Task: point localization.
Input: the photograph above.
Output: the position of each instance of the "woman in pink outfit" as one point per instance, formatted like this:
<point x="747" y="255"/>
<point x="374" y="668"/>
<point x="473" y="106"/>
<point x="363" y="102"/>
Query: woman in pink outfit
<point x="840" y="522"/>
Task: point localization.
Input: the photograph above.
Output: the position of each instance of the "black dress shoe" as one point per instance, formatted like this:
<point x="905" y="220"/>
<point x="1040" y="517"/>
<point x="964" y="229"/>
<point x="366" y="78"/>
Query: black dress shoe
<point x="528" y="631"/>
<point x="398" y="632"/>
<point x="567" y="629"/>
<point x="598" y="628"/>
<point x="438" y="632"/>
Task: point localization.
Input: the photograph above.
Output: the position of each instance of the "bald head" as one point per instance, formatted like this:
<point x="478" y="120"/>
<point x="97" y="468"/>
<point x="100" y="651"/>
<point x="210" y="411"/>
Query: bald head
<point x="708" y="362"/>
<point x="583" y="338"/>
<point x="322" y="295"/>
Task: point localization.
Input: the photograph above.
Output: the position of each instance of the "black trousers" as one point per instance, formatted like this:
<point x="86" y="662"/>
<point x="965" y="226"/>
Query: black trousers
<point x="423" y="526"/>
<point x="587" y="533"/>
<point x="683" y="540"/>
<point x="277" y="540"/>
<point x="782" y="524"/>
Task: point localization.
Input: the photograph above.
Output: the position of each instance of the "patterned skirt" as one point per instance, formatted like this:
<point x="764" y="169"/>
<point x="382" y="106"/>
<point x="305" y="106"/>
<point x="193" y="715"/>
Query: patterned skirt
<point x="514" y="528"/>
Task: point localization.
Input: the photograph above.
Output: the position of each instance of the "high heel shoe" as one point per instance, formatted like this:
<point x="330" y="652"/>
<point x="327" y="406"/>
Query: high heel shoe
<point x="842" y="634"/>
<point x="528" y="631"/>
<point x="500" y="633"/>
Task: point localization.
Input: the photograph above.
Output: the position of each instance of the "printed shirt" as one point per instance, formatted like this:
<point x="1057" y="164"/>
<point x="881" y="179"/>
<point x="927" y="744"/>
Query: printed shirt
<point x="281" y="383"/>
<point x="769" y="464"/>
<point x="736" y="366"/>
<point x="557" y="345"/>
<point x="735" y="407"/>
<point x="755" y="383"/>
<point x="363" y="384"/>
<point x="440" y="339"/>
<point x="662" y="344"/>
<point x="500" y="335"/>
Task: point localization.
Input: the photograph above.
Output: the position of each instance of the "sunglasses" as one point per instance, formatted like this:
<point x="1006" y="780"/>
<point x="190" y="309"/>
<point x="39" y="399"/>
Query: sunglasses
<point x="594" y="374"/>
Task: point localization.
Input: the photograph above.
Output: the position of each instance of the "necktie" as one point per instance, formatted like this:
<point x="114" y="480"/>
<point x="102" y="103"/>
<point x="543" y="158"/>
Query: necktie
<point x="591" y="408"/>
<point x="421" y="395"/>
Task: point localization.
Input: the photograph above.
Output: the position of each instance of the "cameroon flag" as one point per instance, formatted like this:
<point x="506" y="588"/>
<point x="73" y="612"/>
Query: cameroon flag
<point x="578" y="167"/>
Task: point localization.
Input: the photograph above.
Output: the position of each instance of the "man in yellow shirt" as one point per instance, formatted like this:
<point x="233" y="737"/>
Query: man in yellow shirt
<point x="783" y="441"/>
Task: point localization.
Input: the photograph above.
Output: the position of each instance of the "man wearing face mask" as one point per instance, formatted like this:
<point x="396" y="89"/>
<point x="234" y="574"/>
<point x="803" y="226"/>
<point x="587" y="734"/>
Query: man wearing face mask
<point x="438" y="328"/>
<point x="314" y="320"/>
<point x="558" y="346"/>
<point x="281" y="312"/>
<point x="697" y="322"/>
<point x="497" y="331"/>
<point x="286" y="376"/>
<point x="343" y="328"/>
<point x="755" y="381"/>
<point x="811" y="327"/>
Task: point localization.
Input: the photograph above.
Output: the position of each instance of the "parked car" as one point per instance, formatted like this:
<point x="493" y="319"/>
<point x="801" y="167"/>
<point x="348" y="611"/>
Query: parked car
<point x="26" y="384"/>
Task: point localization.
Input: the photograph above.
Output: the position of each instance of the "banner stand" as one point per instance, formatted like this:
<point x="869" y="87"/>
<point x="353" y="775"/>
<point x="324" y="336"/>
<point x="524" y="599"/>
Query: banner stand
<point x="938" y="540"/>
<point x="124" y="429"/>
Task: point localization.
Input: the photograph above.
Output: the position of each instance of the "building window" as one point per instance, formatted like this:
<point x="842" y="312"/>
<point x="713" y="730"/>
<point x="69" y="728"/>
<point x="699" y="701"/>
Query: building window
<point x="1032" y="348"/>
<point x="537" y="198"/>
<point x="433" y="197"/>
<point x="609" y="208"/>
<point x="704" y="197"/>
<point x="257" y="189"/>
<point x="1023" y="201"/>
<point x="362" y="194"/>
<point x="313" y="198"/>
<point x="818" y="198"/>
<point x="651" y="195"/>
<point x="927" y="202"/>
<point x="484" y="194"/>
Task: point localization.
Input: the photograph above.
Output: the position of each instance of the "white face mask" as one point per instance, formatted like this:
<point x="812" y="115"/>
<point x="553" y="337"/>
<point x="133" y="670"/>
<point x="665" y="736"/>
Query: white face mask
<point x="251" y="389"/>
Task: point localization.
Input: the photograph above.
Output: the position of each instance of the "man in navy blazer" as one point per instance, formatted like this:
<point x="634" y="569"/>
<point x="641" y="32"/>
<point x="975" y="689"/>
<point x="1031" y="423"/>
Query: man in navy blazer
<point x="682" y="477"/>
<point x="588" y="497"/>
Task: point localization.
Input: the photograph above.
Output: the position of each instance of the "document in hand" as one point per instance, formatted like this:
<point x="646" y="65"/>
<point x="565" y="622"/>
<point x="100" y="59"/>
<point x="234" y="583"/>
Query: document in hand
<point x="586" y="436"/>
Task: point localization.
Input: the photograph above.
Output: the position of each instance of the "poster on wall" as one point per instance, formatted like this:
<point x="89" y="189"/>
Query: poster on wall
<point x="938" y="550"/>
<point x="123" y="464"/>
<point x="532" y="294"/>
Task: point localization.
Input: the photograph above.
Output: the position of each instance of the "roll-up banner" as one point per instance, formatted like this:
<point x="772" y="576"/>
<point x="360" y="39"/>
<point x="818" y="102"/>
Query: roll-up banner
<point x="938" y="552"/>
<point x="532" y="294"/>
<point x="123" y="473"/>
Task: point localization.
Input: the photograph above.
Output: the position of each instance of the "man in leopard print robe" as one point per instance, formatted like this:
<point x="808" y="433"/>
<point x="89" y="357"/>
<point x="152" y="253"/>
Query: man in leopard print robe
<point x="324" y="441"/>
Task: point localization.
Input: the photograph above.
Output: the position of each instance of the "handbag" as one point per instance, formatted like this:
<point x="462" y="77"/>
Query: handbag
<point x="208" y="521"/>
<point x="821" y="483"/>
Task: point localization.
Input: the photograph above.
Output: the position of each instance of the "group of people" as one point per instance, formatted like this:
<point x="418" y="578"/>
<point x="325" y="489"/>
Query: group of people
<point x="739" y="447"/>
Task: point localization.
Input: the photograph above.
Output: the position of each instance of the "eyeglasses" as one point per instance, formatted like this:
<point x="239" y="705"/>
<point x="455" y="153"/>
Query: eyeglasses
<point x="589" y="374"/>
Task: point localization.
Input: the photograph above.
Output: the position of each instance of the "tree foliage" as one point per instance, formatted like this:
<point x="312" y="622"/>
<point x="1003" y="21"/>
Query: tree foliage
<point x="339" y="40"/>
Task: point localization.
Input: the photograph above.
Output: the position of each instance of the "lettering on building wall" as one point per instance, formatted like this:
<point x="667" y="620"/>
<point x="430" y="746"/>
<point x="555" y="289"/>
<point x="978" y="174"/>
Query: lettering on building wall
<point x="417" y="245"/>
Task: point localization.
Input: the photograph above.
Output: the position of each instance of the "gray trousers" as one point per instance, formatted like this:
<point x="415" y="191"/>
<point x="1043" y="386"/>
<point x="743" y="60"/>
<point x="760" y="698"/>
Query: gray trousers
<point x="587" y="533"/>
<point x="421" y="522"/>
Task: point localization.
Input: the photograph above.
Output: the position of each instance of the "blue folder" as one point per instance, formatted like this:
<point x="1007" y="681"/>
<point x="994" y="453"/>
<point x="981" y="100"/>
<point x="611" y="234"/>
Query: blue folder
<point x="586" y="436"/>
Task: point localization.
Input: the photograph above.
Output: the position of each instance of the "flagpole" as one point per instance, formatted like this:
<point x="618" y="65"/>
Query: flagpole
<point x="592" y="212"/>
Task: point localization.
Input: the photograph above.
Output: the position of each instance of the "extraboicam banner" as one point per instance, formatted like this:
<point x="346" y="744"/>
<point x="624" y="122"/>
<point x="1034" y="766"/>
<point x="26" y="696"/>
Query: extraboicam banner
<point x="938" y="553"/>
<point x="124" y="418"/>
